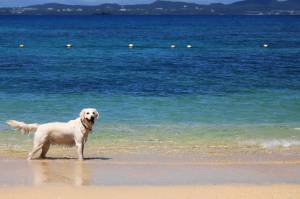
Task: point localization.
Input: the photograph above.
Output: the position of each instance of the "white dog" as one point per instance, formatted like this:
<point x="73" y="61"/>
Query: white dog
<point x="74" y="132"/>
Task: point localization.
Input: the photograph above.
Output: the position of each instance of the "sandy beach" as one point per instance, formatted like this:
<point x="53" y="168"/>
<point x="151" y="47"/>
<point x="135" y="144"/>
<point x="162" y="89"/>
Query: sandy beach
<point x="165" y="192"/>
<point x="148" y="178"/>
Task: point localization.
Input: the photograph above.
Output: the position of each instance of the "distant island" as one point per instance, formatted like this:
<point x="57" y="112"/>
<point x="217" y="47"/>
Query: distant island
<point x="245" y="7"/>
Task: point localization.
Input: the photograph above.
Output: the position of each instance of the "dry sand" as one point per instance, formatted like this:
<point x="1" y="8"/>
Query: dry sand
<point x="156" y="192"/>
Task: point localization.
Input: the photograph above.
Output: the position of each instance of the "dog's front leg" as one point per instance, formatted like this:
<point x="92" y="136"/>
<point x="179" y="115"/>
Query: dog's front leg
<point x="80" y="147"/>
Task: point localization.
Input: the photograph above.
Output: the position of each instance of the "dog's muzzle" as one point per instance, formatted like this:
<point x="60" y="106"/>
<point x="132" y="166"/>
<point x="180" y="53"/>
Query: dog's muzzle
<point x="92" y="119"/>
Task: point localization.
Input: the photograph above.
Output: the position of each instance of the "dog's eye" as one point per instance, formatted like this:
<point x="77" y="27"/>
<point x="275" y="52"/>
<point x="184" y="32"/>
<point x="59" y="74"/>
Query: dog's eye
<point x="87" y="113"/>
<point x="94" y="113"/>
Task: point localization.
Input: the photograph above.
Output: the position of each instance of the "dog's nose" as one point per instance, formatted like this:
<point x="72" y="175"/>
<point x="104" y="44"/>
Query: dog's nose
<point x="92" y="117"/>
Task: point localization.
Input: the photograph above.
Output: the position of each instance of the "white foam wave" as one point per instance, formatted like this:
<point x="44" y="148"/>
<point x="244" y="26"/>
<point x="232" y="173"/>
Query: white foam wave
<point x="276" y="143"/>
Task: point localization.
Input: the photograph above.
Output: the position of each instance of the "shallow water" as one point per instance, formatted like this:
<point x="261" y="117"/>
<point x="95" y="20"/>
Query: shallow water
<point x="226" y="91"/>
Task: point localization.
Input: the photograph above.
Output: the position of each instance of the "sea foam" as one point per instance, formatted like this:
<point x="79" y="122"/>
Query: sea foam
<point x="274" y="143"/>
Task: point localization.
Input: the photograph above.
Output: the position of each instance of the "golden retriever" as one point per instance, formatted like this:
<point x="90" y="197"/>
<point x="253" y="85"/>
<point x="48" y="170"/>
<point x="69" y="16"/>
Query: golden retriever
<point x="72" y="133"/>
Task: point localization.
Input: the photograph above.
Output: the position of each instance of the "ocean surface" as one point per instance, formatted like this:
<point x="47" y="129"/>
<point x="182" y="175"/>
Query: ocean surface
<point x="224" y="93"/>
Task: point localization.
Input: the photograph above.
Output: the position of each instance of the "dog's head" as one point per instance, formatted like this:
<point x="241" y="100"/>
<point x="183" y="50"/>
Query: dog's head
<point x="89" y="115"/>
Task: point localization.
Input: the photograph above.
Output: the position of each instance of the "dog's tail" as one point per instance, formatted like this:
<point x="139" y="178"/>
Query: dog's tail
<point x="23" y="127"/>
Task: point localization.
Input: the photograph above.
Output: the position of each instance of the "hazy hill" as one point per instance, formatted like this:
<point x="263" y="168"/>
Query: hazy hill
<point x="246" y="7"/>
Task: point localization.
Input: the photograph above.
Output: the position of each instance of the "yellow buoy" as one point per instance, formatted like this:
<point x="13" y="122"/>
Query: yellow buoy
<point x="189" y="46"/>
<point x="173" y="46"/>
<point x="69" y="46"/>
<point x="130" y="45"/>
<point x="21" y="46"/>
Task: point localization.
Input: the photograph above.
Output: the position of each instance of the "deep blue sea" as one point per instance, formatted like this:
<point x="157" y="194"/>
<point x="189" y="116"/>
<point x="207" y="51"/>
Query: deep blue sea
<point x="225" y="90"/>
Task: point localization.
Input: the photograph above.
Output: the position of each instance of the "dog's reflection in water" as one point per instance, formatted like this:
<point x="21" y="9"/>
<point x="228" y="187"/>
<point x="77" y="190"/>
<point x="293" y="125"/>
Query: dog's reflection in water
<point x="70" y="172"/>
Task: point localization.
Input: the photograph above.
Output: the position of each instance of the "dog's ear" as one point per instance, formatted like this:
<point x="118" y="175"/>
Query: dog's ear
<point x="82" y="113"/>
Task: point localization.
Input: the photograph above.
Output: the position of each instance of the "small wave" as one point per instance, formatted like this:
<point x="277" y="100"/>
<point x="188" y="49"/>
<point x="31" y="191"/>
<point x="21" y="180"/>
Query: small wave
<point x="269" y="144"/>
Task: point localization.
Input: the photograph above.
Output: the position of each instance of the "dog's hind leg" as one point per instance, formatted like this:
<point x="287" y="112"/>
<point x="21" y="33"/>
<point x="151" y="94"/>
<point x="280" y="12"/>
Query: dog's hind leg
<point x="45" y="149"/>
<point x="38" y="142"/>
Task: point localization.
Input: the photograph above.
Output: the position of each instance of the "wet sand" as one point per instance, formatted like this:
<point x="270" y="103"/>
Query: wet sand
<point x="116" y="177"/>
<point x="111" y="171"/>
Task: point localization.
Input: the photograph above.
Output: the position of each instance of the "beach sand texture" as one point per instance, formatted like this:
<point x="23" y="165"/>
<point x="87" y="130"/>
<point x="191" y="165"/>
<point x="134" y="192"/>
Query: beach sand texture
<point x="163" y="192"/>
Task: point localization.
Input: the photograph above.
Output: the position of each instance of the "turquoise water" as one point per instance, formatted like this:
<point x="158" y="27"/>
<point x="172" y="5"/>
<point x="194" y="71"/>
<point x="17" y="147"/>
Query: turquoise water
<point x="225" y="91"/>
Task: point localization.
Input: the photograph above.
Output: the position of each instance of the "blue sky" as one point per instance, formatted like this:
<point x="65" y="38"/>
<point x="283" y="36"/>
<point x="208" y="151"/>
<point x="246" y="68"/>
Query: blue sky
<point x="93" y="2"/>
